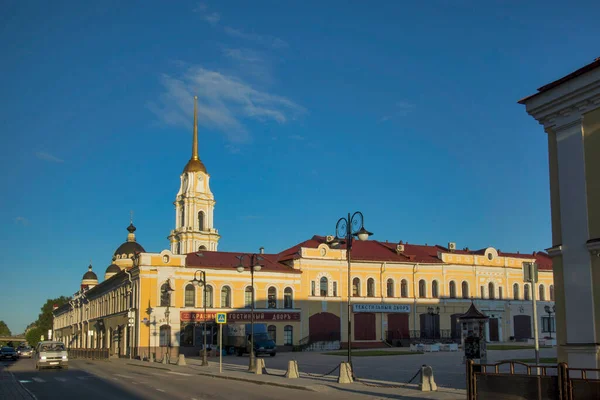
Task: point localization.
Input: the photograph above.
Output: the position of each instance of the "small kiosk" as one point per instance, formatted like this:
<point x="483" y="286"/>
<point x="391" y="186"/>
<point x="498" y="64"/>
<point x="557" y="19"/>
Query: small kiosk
<point x="473" y="334"/>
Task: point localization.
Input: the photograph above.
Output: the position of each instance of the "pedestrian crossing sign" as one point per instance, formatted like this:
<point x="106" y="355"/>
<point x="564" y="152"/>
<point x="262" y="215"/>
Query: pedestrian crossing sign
<point x="221" y="318"/>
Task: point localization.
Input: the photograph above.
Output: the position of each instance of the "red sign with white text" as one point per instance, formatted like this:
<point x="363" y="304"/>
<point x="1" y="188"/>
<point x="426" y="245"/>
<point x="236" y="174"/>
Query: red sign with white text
<point x="234" y="316"/>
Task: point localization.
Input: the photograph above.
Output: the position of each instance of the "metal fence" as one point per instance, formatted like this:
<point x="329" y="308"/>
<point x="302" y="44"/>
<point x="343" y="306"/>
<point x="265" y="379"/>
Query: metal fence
<point x="517" y="380"/>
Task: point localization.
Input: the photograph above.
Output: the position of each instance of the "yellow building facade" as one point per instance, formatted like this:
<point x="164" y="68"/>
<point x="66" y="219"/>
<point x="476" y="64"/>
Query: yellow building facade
<point x="148" y="306"/>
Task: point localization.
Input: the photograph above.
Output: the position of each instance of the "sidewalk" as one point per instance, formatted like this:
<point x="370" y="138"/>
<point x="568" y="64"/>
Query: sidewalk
<point x="314" y="383"/>
<point x="10" y="388"/>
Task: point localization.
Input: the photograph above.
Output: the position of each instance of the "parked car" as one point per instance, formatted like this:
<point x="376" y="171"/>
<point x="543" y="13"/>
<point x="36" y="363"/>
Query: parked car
<point x="50" y="354"/>
<point x="8" y="353"/>
<point x="25" y="351"/>
<point x="238" y="337"/>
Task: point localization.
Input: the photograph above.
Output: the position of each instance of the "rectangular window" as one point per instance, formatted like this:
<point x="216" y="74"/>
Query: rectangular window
<point x="334" y="289"/>
<point x="248" y="298"/>
<point x="187" y="335"/>
<point x="482" y="292"/>
<point x="288" y="333"/>
<point x="189" y="297"/>
<point x="500" y="293"/>
<point x="312" y="288"/>
<point x="548" y="324"/>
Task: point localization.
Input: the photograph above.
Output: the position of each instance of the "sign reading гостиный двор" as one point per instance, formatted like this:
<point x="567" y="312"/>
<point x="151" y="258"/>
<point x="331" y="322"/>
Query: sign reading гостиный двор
<point x="387" y="308"/>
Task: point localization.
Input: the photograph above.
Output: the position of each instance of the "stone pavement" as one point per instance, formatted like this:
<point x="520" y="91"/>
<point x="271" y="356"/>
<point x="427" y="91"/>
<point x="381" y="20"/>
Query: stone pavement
<point x="315" y="383"/>
<point x="10" y="388"/>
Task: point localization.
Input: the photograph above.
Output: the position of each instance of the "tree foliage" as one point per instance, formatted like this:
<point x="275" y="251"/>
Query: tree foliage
<point x="33" y="336"/>
<point x="44" y="321"/>
<point x="4" y="331"/>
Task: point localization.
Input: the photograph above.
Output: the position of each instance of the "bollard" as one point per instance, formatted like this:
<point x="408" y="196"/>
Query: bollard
<point x="427" y="382"/>
<point x="292" y="371"/>
<point x="260" y="364"/>
<point x="181" y="360"/>
<point x="164" y="359"/>
<point x="345" y="373"/>
<point x="151" y="357"/>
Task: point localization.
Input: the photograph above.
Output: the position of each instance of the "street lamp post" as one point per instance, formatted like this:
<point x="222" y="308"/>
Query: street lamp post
<point x="550" y="311"/>
<point x="345" y="231"/>
<point x="254" y="267"/>
<point x="166" y="292"/>
<point x="202" y="282"/>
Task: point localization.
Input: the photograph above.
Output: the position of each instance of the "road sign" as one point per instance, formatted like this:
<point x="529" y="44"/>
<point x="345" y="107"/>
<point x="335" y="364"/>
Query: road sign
<point x="221" y="318"/>
<point x="530" y="272"/>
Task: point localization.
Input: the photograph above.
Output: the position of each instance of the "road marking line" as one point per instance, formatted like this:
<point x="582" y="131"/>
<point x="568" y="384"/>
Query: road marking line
<point x="25" y="381"/>
<point x="61" y="379"/>
<point x="160" y="390"/>
<point x="178" y="373"/>
<point x="38" y="380"/>
<point x="124" y="376"/>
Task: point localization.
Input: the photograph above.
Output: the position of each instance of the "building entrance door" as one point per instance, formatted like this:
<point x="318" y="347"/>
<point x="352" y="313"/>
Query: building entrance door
<point x="398" y="327"/>
<point x="494" y="337"/>
<point x="522" y="325"/>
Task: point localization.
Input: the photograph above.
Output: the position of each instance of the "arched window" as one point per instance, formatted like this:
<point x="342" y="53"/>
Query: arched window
<point x="248" y="297"/>
<point x="465" y="290"/>
<point x="516" y="291"/>
<point x="370" y="287"/>
<point x="527" y="294"/>
<point x="542" y="293"/>
<point x="201" y="220"/>
<point x="491" y="291"/>
<point x="182" y="216"/>
<point x="165" y="336"/>
<point x="422" y="289"/>
<point x="404" y="288"/>
<point x="202" y="247"/>
<point x="452" y="290"/>
<point x="323" y="286"/>
<point x="190" y="296"/>
<point x="209" y="297"/>
<point x="288" y="298"/>
<point x="390" y="288"/>
<point x="272" y="297"/>
<point x="165" y="296"/>
<point x="225" y="297"/>
<point x="272" y="329"/>
<point x="288" y="335"/>
<point x="551" y="292"/>
<point x="435" y="290"/>
<point x="355" y="287"/>
<point x="482" y="291"/>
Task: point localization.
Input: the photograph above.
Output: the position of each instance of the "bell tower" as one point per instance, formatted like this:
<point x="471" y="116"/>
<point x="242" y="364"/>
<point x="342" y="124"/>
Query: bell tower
<point x="194" y="205"/>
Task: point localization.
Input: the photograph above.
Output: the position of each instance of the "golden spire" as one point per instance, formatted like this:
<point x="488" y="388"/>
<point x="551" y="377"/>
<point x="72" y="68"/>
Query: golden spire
<point x="195" y="140"/>
<point x="195" y="165"/>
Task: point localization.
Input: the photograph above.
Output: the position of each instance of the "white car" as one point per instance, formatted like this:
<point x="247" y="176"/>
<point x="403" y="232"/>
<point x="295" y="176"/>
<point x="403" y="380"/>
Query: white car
<point x="50" y="354"/>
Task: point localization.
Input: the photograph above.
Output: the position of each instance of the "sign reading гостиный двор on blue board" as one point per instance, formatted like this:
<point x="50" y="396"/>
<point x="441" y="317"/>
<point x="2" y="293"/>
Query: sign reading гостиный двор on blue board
<point x="388" y="308"/>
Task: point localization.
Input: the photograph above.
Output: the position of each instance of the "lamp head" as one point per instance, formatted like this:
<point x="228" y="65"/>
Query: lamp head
<point x="547" y="308"/>
<point x="363" y="234"/>
<point x="257" y="268"/>
<point x="240" y="268"/>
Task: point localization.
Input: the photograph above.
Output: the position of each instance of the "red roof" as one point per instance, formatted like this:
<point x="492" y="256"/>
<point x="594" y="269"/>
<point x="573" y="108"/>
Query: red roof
<point x="594" y="64"/>
<point x="373" y="250"/>
<point x="229" y="261"/>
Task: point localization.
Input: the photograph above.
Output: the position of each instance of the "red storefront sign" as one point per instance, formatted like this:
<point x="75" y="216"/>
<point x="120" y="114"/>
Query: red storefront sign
<point x="234" y="316"/>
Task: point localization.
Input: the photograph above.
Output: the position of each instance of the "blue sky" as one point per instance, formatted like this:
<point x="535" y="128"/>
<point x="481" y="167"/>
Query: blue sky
<point x="308" y="110"/>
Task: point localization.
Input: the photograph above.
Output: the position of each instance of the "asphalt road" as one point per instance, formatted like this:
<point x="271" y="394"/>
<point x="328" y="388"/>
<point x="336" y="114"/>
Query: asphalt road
<point x="106" y="380"/>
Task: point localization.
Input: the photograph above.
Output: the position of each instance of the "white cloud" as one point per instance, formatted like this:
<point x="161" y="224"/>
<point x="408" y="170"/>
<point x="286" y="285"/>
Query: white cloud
<point x="212" y="18"/>
<point x="224" y="101"/>
<point x="42" y="155"/>
<point x="264" y="40"/>
<point x="243" y="55"/>
<point x="21" y="221"/>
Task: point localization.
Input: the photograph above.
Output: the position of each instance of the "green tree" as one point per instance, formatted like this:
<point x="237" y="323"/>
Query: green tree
<point x="33" y="336"/>
<point x="4" y="331"/>
<point x="44" y="321"/>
